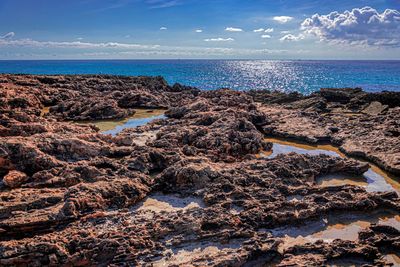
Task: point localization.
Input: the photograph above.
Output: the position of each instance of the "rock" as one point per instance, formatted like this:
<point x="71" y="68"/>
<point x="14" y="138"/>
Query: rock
<point x="90" y="109"/>
<point x="143" y="100"/>
<point x="315" y="103"/>
<point x="342" y="95"/>
<point x="15" y="179"/>
<point x="352" y="119"/>
<point x="4" y="163"/>
<point x="375" y="108"/>
<point x="275" y="97"/>
<point x="391" y="99"/>
<point x="190" y="190"/>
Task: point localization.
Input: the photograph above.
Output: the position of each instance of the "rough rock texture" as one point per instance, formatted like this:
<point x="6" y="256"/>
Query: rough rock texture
<point x="14" y="179"/>
<point x="72" y="196"/>
<point x="365" y="125"/>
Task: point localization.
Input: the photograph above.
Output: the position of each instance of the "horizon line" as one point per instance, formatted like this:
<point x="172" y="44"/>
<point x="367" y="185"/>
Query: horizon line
<point x="188" y="59"/>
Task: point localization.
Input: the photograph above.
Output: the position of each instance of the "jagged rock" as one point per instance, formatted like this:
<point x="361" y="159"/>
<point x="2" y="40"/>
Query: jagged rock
<point x="15" y="179"/>
<point x="190" y="190"/>
<point x="362" y="127"/>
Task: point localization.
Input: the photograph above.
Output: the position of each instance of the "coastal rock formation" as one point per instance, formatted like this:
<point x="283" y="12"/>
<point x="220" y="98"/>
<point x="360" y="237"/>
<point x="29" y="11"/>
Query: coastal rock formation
<point x="189" y="190"/>
<point x="14" y="179"/>
<point x="365" y="125"/>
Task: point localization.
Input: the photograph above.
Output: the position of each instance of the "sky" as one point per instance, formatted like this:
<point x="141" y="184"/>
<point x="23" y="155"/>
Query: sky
<point x="199" y="29"/>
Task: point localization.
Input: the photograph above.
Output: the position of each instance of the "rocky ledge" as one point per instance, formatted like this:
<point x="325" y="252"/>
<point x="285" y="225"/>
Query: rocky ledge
<point x="196" y="192"/>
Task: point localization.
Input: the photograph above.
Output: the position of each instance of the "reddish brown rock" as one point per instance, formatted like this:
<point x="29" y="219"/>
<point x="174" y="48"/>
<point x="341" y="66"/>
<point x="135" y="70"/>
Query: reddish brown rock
<point x="189" y="190"/>
<point x="351" y="119"/>
<point x="15" y="179"/>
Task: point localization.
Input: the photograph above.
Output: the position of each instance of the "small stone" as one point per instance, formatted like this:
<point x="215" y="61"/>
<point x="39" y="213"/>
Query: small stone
<point x="15" y="179"/>
<point x="334" y="129"/>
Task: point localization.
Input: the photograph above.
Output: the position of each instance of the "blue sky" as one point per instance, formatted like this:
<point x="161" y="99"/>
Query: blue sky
<point x="158" y="29"/>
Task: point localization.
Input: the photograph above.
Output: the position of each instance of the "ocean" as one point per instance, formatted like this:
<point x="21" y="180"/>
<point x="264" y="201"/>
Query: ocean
<point x="299" y="75"/>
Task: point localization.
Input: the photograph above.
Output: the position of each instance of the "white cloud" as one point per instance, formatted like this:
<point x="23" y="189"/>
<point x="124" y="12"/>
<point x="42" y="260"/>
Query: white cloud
<point x="199" y="30"/>
<point x="269" y="30"/>
<point x="282" y="19"/>
<point x="77" y="49"/>
<point x="285" y="32"/>
<point x="74" y="44"/>
<point x="232" y="29"/>
<point x="188" y="52"/>
<point x="79" y="38"/>
<point x="259" y="30"/>
<point x="291" y="38"/>
<point x="163" y="28"/>
<point x="363" y="26"/>
<point x="162" y="3"/>
<point x="266" y="36"/>
<point x="9" y="35"/>
<point x="219" y="39"/>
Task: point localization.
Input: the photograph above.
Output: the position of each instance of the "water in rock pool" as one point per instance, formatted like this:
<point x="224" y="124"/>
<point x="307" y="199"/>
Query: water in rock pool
<point x="392" y="258"/>
<point x="341" y="226"/>
<point x="340" y="179"/>
<point x="374" y="180"/>
<point x="158" y="202"/>
<point x="171" y="203"/>
<point x="185" y="255"/>
<point x="141" y="117"/>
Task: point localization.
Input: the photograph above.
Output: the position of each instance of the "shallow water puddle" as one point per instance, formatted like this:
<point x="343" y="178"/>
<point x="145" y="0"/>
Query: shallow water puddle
<point x="168" y="203"/>
<point x="341" y="179"/>
<point x="392" y="258"/>
<point x="141" y="117"/>
<point x="285" y="147"/>
<point x="345" y="227"/>
<point x="374" y="180"/>
<point x="183" y="256"/>
<point x="294" y="198"/>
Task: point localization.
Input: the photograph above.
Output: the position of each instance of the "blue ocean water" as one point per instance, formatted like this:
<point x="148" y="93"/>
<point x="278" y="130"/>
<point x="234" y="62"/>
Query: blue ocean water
<point x="301" y="76"/>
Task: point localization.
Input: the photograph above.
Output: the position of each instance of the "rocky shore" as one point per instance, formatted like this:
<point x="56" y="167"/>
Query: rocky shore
<point x="191" y="189"/>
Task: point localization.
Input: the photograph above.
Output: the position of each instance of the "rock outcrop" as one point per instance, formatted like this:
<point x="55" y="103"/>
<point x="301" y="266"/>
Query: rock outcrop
<point x="72" y="196"/>
<point x="365" y="125"/>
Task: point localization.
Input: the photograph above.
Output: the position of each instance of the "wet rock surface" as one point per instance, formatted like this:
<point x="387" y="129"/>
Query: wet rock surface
<point x="365" y="125"/>
<point x="189" y="190"/>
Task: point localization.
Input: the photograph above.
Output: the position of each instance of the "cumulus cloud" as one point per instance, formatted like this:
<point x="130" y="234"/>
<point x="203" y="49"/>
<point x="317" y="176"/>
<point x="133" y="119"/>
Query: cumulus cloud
<point x="163" y="28"/>
<point x="219" y="39"/>
<point x="9" y="35"/>
<point x="199" y="30"/>
<point x="282" y="19"/>
<point x="269" y="30"/>
<point x="259" y="30"/>
<point x="232" y="29"/>
<point x="364" y="26"/>
<point x="292" y="38"/>
<point x="266" y="36"/>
